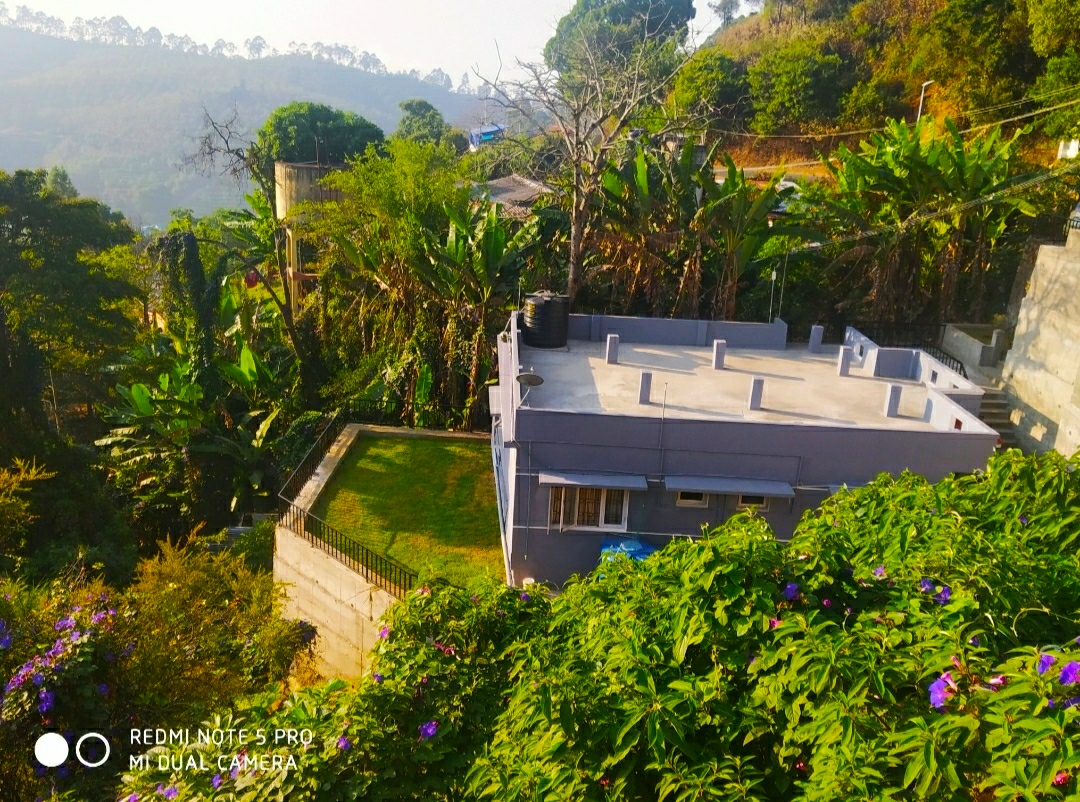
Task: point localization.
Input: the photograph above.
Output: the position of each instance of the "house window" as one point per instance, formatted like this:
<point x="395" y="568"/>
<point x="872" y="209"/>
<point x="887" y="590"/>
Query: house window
<point x="957" y="424"/>
<point x="687" y="499"/>
<point x="748" y="501"/>
<point x="933" y="377"/>
<point x="555" y="508"/>
<point x="601" y="508"/>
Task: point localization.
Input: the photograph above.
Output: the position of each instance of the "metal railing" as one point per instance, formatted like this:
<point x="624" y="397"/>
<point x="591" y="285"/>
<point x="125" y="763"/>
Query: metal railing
<point x="924" y="336"/>
<point x="381" y="571"/>
<point x="951" y="362"/>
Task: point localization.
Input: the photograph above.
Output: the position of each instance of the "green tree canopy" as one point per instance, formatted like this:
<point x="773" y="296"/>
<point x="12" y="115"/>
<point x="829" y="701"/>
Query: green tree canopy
<point x="309" y="132"/>
<point x="711" y="84"/>
<point x="617" y="23"/>
<point x="55" y="299"/>
<point x="793" y="85"/>
<point x="422" y="122"/>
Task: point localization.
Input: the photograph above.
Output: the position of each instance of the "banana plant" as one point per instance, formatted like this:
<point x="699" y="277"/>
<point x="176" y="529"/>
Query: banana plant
<point x="474" y="268"/>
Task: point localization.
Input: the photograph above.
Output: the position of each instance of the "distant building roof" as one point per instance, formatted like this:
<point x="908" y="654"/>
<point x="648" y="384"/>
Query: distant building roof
<point x="515" y="193"/>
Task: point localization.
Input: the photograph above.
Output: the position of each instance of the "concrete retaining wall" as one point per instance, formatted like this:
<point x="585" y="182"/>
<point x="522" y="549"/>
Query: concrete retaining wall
<point x="1041" y="371"/>
<point x="343" y="606"/>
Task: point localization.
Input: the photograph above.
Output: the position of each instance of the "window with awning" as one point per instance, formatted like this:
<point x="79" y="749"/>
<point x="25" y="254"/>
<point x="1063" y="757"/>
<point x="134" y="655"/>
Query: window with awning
<point x="729" y="486"/>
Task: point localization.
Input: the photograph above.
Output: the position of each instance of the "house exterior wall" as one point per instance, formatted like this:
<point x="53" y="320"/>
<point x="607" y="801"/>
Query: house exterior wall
<point x="810" y="458"/>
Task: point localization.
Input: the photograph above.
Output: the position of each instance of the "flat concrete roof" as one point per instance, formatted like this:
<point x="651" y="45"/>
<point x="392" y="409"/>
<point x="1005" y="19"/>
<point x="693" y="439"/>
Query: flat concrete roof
<point x="800" y="387"/>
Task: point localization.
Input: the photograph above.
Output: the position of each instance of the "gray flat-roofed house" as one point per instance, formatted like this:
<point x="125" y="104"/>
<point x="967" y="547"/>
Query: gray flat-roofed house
<point x="673" y="425"/>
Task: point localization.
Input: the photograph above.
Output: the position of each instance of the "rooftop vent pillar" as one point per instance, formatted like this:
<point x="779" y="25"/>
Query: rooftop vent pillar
<point x="892" y="400"/>
<point x="645" y="388"/>
<point x="816" y="335"/>
<point x="843" y="364"/>
<point x="719" y="351"/>
<point x="613" y="349"/>
<point x="757" y="388"/>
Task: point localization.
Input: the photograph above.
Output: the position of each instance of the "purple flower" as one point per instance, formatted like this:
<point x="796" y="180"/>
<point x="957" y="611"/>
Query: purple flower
<point x="774" y="623"/>
<point x="998" y="681"/>
<point x="64" y="623"/>
<point x="1045" y="661"/>
<point x="424" y="591"/>
<point x="474" y="598"/>
<point x="1023" y="520"/>
<point x="378" y="677"/>
<point x="344" y="744"/>
<point x="216" y="782"/>
<point x="38" y="678"/>
<point x="926" y="585"/>
<point x="879" y="572"/>
<point x="103" y="689"/>
<point x="940" y="690"/>
<point x="499" y="613"/>
<point x="5" y="641"/>
<point x="170" y="792"/>
<point x="1070" y="674"/>
<point x="234" y="773"/>
<point x="384" y="633"/>
<point x="942" y="597"/>
<point x="428" y="728"/>
<point x="1061" y="778"/>
<point x="524" y="597"/>
<point x="826" y="602"/>
<point x="791" y="591"/>
<point x="47" y="698"/>
<point x="132" y="798"/>
<point x="1071" y="703"/>
<point x="974" y="640"/>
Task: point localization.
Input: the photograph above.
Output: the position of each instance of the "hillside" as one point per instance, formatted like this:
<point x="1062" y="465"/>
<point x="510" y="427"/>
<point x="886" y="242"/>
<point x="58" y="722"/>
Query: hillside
<point x="821" y="66"/>
<point x="121" y="119"/>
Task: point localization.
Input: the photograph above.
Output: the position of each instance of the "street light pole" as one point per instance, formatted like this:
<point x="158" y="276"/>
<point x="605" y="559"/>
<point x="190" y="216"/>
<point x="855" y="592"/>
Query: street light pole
<point x="922" y="96"/>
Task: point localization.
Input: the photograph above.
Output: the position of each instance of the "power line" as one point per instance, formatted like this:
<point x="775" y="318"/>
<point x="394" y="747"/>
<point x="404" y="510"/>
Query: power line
<point x="982" y="127"/>
<point x="1072" y="167"/>
<point x="966" y="113"/>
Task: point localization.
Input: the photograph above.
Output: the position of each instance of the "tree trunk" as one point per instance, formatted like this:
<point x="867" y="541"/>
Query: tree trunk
<point x="577" y="220"/>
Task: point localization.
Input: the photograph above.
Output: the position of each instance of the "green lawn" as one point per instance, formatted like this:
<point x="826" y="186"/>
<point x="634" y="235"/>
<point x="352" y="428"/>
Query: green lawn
<point x="428" y="503"/>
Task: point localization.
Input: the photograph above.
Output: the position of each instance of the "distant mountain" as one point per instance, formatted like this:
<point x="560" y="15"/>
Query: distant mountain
<point x="120" y="119"/>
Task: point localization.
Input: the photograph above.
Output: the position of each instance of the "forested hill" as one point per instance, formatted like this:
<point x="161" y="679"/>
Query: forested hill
<point x="121" y="119"/>
<point x="804" y="66"/>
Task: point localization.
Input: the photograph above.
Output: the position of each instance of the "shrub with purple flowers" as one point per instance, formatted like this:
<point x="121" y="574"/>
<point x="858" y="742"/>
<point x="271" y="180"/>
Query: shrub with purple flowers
<point x="715" y="668"/>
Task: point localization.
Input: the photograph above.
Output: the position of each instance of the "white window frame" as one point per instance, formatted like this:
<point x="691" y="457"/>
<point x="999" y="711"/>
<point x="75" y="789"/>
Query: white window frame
<point x="741" y="505"/>
<point x="701" y="503"/>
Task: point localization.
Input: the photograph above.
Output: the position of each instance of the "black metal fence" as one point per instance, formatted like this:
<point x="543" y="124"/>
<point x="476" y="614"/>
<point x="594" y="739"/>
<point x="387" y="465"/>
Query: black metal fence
<point x="381" y="571"/>
<point x="378" y="569"/>
<point x="924" y="336"/>
<point x="389" y="412"/>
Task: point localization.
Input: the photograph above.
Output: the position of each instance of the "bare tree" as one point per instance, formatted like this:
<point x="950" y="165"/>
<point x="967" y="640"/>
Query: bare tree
<point x="606" y="86"/>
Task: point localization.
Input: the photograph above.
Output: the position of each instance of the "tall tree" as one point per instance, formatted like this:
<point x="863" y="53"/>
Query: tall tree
<point x="55" y="300"/>
<point x="598" y="91"/>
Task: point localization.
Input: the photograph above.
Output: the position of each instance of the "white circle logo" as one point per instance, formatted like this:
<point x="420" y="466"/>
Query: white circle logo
<point x="78" y="749"/>
<point x="51" y="750"/>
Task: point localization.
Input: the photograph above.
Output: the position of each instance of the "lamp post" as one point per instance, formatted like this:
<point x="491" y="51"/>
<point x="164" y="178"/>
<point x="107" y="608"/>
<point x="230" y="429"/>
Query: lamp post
<point x="922" y="96"/>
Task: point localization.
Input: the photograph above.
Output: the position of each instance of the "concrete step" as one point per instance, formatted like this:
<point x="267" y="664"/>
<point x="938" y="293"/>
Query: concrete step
<point x="996" y="421"/>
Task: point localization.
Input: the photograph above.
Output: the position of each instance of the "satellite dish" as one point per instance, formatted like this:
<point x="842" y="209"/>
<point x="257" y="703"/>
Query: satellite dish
<point x="529" y="379"/>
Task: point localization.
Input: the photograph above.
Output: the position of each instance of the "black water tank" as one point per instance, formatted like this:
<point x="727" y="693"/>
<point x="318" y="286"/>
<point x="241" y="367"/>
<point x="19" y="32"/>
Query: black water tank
<point x="547" y="317"/>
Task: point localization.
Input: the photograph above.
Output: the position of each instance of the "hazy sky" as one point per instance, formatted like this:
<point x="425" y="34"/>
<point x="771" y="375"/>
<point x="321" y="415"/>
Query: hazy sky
<point x="455" y="35"/>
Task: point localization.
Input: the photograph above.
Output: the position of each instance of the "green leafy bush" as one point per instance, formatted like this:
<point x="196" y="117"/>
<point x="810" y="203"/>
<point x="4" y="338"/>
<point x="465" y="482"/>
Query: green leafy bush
<point x="193" y="632"/>
<point x="912" y="641"/>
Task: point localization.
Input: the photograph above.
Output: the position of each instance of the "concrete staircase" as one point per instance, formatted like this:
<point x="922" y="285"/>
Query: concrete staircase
<point x="994" y="412"/>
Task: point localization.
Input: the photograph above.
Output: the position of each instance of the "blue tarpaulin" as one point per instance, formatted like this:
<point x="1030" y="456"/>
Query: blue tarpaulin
<point x="634" y="549"/>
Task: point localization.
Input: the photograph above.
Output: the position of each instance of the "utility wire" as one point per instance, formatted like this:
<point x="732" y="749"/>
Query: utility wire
<point x="982" y="127"/>
<point x="1072" y="167"/>
<point x="967" y="113"/>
